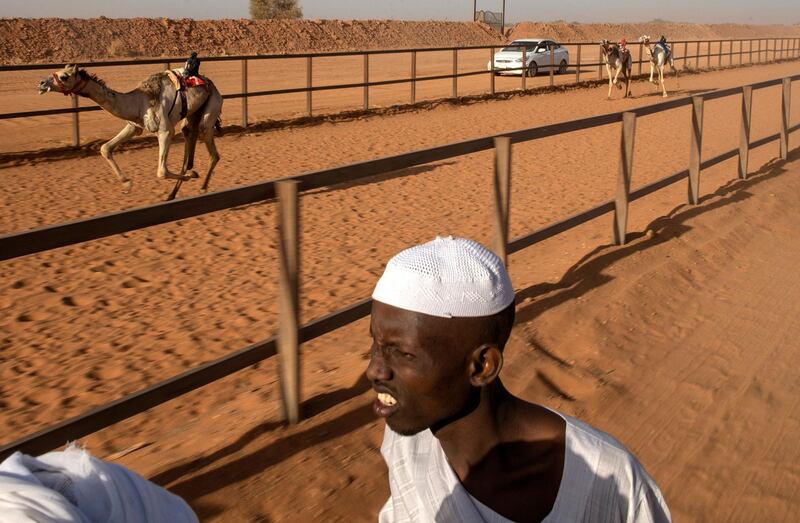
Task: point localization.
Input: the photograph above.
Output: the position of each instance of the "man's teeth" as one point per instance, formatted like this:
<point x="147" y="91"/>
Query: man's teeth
<point x="386" y="399"/>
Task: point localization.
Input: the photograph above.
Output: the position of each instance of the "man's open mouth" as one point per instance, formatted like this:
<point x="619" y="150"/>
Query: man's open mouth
<point x="385" y="405"/>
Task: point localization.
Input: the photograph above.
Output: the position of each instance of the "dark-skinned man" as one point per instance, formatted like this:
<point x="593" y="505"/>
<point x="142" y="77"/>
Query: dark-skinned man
<point x="459" y="446"/>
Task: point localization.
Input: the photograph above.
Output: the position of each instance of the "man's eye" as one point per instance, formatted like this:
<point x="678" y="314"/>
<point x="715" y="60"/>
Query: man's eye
<point x="407" y="355"/>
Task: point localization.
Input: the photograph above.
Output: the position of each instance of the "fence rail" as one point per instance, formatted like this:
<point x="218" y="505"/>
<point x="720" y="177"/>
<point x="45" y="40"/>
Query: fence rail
<point x="60" y="235"/>
<point x="780" y="47"/>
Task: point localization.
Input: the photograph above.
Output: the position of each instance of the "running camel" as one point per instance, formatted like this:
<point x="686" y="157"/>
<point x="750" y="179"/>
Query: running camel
<point x="621" y="62"/>
<point x="660" y="55"/>
<point x="154" y="106"/>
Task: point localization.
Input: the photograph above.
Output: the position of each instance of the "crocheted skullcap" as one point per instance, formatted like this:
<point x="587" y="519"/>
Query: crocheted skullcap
<point x="447" y="277"/>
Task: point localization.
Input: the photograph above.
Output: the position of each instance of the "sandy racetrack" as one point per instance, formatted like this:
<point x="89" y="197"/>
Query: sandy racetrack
<point x="644" y="338"/>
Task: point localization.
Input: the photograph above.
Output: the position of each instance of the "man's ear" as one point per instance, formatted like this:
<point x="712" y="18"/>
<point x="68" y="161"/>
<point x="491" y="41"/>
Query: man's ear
<point x="485" y="364"/>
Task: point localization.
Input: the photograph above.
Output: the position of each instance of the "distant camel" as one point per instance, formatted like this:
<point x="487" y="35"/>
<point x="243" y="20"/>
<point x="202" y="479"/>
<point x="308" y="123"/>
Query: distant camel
<point x="621" y="62"/>
<point x="660" y="55"/>
<point x="153" y="106"/>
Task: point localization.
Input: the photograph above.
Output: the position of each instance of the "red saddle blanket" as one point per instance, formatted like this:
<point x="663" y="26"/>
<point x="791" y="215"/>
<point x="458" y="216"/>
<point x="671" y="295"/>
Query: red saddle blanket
<point x="194" y="81"/>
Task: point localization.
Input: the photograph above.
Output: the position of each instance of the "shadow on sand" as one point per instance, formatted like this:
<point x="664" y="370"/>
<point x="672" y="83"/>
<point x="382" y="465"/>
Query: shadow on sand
<point x="582" y="277"/>
<point x="587" y="273"/>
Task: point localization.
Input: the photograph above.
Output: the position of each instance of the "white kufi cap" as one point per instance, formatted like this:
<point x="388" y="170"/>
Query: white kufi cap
<point x="447" y="277"/>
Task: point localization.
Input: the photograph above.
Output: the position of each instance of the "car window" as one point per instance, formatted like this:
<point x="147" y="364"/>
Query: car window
<point x="518" y="46"/>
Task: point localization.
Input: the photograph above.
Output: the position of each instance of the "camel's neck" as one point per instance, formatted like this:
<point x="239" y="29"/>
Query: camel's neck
<point x="126" y="106"/>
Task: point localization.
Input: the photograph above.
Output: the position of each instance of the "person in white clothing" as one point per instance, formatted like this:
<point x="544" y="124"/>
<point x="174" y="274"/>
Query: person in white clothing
<point x="72" y="486"/>
<point x="458" y="445"/>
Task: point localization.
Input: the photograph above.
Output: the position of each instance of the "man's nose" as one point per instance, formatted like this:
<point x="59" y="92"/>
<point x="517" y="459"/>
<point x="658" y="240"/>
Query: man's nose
<point x="378" y="370"/>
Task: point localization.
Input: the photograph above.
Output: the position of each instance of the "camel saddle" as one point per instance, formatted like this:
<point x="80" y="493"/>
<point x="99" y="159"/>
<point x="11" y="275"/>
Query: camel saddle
<point x="181" y="83"/>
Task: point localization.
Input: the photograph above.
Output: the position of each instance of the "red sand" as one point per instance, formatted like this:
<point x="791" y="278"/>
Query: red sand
<point x="681" y="344"/>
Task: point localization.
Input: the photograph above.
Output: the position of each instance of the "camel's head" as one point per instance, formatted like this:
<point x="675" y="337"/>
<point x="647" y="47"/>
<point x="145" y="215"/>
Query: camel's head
<point x="645" y="39"/>
<point x="63" y="81"/>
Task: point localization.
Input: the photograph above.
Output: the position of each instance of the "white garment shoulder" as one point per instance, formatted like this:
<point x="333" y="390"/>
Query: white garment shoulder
<point x="602" y="482"/>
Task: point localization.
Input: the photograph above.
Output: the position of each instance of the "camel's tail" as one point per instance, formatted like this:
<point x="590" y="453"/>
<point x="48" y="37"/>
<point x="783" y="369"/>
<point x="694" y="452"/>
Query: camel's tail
<point x="218" y="124"/>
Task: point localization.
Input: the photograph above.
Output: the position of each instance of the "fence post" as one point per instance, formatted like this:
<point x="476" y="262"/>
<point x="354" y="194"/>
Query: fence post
<point x="750" y="50"/>
<point x="774" y="48"/>
<point x="502" y="195"/>
<point x="741" y="51"/>
<point x="696" y="150"/>
<point x="491" y="72"/>
<point x="244" y="92"/>
<point x="719" y="61"/>
<point x="167" y="66"/>
<point x="686" y="55"/>
<point x="600" y="64"/>
<point x="289" y="258"/>
<point x="455" y="73"/>
<point x="697" y="55"/>
<point x="785" y="112"/>
<point x="524" y="73"/>
<point x="744" y="134"/>
<point x="758" y="53"/>
<point x="366" y="81"/>
<point x="76" y="125"/>
<point x="413" y="77"/>
<point x="309" y="83"/>
<point x="624" y="178"/>
<point x="641" y="47"/>
<point x="730" y="53"/>
<point x="578" y="66"/>
<point x="552" y="65"/>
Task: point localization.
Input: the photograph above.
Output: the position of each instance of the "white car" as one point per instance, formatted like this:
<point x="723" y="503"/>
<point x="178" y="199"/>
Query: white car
<point x="537" y="57"/>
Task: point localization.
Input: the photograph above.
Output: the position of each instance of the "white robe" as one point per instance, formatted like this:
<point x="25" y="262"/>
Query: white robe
<point x="602" y="483"/>
<point x="73" y="487"/>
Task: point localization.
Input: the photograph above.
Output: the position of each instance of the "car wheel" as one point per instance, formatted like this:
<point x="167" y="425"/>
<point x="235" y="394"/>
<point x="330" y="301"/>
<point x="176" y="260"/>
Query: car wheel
<point x="533" y="69"/>
<point x="562" y="67"/>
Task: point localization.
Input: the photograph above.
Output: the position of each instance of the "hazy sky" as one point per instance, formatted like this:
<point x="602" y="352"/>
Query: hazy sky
<point x="713" y="11"/>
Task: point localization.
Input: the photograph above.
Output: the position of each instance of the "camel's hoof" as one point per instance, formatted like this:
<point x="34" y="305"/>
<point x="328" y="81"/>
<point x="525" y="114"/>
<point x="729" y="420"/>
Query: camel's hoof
<point x="193" y="174"/>
<point x="177" y="177"/>
<point x="126" y="187"/>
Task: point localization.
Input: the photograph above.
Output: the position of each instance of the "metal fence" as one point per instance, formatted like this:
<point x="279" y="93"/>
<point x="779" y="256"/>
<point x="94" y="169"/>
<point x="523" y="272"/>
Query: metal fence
<point x="490" y="18"/>
<point x="694" y="52"/>
<point x="287" y="189"/>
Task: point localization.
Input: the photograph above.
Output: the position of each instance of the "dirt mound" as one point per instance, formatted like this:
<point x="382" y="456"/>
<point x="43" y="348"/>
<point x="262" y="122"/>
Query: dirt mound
<point x="24" y="40"/>
<point x="576" y="32"/>
<point x="27" y="40"/>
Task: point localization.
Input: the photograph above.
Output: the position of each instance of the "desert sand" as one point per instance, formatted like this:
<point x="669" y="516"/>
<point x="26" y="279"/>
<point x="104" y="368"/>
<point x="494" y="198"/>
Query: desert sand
<point x="681" y="343"/>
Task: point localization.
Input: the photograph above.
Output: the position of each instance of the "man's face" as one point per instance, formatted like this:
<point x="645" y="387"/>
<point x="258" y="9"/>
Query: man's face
<point x="419" y="368"/>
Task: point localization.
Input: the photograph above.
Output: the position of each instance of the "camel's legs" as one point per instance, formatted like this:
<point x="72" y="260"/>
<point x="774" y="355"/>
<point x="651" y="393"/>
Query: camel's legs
<point x="190" y="144"/>
<point x="190" y="133"/>
<point x="107" y="151"/>
<point x="616" y="78"/>
<point x="677" y="82"/>
<point x="628" y="83"/>
<point x="661" y="79"/>
<point x="208" y="139"/>
<point x="610" y="79"/>
<point x="164" y="142"/>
